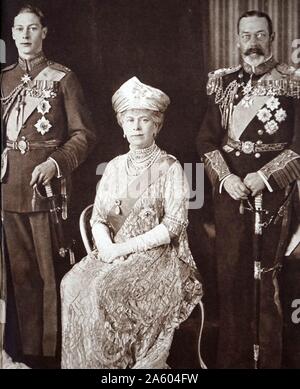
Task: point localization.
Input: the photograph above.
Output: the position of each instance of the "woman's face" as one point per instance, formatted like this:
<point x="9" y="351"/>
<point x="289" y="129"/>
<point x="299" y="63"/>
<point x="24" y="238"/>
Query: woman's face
<point x="139" y="128"/>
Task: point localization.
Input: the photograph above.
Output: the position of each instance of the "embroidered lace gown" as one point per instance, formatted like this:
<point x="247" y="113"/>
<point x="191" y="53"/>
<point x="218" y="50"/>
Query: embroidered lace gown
<point x="123" y="314"/>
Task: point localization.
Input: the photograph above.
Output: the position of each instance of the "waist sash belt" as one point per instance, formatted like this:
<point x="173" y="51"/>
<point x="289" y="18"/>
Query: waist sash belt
<point x="249" y="147"/>
<point x="23" y="145"/>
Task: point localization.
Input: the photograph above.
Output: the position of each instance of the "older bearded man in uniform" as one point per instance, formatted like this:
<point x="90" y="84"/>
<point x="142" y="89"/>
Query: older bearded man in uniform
<point x="48" y="133"/>
<point x="250" y="144"/>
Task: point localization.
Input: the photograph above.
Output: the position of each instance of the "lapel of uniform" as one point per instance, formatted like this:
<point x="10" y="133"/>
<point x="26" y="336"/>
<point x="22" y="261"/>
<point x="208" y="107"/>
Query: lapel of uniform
<point x="242" y="116"/>
<point x="47" y="75"/>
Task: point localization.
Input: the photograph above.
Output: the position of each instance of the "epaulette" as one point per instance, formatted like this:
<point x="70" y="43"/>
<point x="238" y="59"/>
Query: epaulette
<point x="10" y="67"/>
<point x="285" y="69"/>
<point x="224" y="71"/>
<point x="291" y="79"/>
<point x="289" y="71"/>
<point x="58" y="66"/>
<point x="215" y="78"/>
<point x="296" y="75"/>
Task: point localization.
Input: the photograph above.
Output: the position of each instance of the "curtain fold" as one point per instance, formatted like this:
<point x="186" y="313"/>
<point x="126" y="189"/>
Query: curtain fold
<point x="223" y="17"/>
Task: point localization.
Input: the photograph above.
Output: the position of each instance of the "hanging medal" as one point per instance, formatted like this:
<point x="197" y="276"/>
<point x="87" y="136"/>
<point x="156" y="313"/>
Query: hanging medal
<point x="26" y="79"/>
<point x="247" y="100"/>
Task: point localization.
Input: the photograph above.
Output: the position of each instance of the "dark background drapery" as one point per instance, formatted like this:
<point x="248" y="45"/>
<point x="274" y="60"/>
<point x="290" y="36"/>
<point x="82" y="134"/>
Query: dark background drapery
<point x="106" y="42"/>
<point x="224" y="15"/>
<point x="169" y="44"/>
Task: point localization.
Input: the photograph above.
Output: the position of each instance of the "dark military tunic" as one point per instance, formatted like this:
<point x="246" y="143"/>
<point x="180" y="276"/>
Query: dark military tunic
<point x="44" y="116"/>
<point x="252" y="124"/>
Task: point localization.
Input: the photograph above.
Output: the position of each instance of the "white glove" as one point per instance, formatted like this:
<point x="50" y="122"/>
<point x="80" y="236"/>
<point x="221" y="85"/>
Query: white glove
<point x="158" y="236"/>
<point x="109" y="251"/>
<point x="103" y="242"/>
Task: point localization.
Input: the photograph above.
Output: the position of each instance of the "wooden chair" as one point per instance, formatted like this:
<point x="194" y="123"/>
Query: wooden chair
<point x="85" y="228"/>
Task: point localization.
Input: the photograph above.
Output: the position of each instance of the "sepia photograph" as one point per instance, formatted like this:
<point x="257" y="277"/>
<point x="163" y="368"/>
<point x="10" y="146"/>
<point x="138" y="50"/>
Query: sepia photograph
<point x="150" y="187"/>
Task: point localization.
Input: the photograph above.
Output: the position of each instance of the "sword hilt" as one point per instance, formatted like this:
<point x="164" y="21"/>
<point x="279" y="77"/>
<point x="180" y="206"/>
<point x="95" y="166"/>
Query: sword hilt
<point x="258" y="225"/>
<point x="48" y="190"/>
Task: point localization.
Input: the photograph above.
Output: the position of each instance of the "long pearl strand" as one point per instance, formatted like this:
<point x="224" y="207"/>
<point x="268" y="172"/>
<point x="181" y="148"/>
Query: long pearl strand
<point x="140" y="159"/>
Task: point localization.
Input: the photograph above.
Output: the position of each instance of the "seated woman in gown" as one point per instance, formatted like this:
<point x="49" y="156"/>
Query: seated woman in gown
<point x="122" y="303"/>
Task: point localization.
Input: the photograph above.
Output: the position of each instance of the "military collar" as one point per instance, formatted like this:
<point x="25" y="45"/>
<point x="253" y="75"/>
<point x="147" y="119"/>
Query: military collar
<point x="261" y="69"/>
<point x="30" y="64"/>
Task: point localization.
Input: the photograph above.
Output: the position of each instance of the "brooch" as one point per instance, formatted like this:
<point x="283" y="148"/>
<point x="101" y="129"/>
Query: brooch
<point x="117" y="208"/>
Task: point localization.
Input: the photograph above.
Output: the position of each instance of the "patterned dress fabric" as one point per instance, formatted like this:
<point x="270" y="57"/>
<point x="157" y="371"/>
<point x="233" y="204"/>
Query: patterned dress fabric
<point x="8" y="363"/>
<point x="123" y="314"/>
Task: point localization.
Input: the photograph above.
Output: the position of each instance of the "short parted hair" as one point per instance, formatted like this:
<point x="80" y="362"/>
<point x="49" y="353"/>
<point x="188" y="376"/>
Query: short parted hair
<point x="156" y="116"/>
<point x="259" y="14"/>
<point x="34" y="10"/>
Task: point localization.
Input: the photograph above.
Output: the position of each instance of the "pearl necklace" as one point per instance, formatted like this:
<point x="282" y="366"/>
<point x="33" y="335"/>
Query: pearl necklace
<point x="141" y="159"/>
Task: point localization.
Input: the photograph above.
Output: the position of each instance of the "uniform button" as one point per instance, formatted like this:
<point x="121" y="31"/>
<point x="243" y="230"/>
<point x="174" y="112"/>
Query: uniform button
<point x="259" y="142"/>
<point x="237" y="153"/>
<point x="236" y="96"/>
<point x="257" y="155"/>
<point x="260" y="132"/>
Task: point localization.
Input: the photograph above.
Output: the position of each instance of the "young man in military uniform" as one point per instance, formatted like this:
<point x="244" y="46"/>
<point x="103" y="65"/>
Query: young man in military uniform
<point x="48" y="133"/>
<point x="250" y="144"/>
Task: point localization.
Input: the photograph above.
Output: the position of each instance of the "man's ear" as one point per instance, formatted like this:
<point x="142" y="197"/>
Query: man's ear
<point x="13" y="34"/>
<point x="45" y="31"/>
<point x="272" y="37"/>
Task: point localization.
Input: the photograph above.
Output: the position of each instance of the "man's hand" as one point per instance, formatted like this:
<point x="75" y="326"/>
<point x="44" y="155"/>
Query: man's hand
<point x="255" y="183"/>
<point x="235" y="187"/>
<point x="43" y="173"/>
